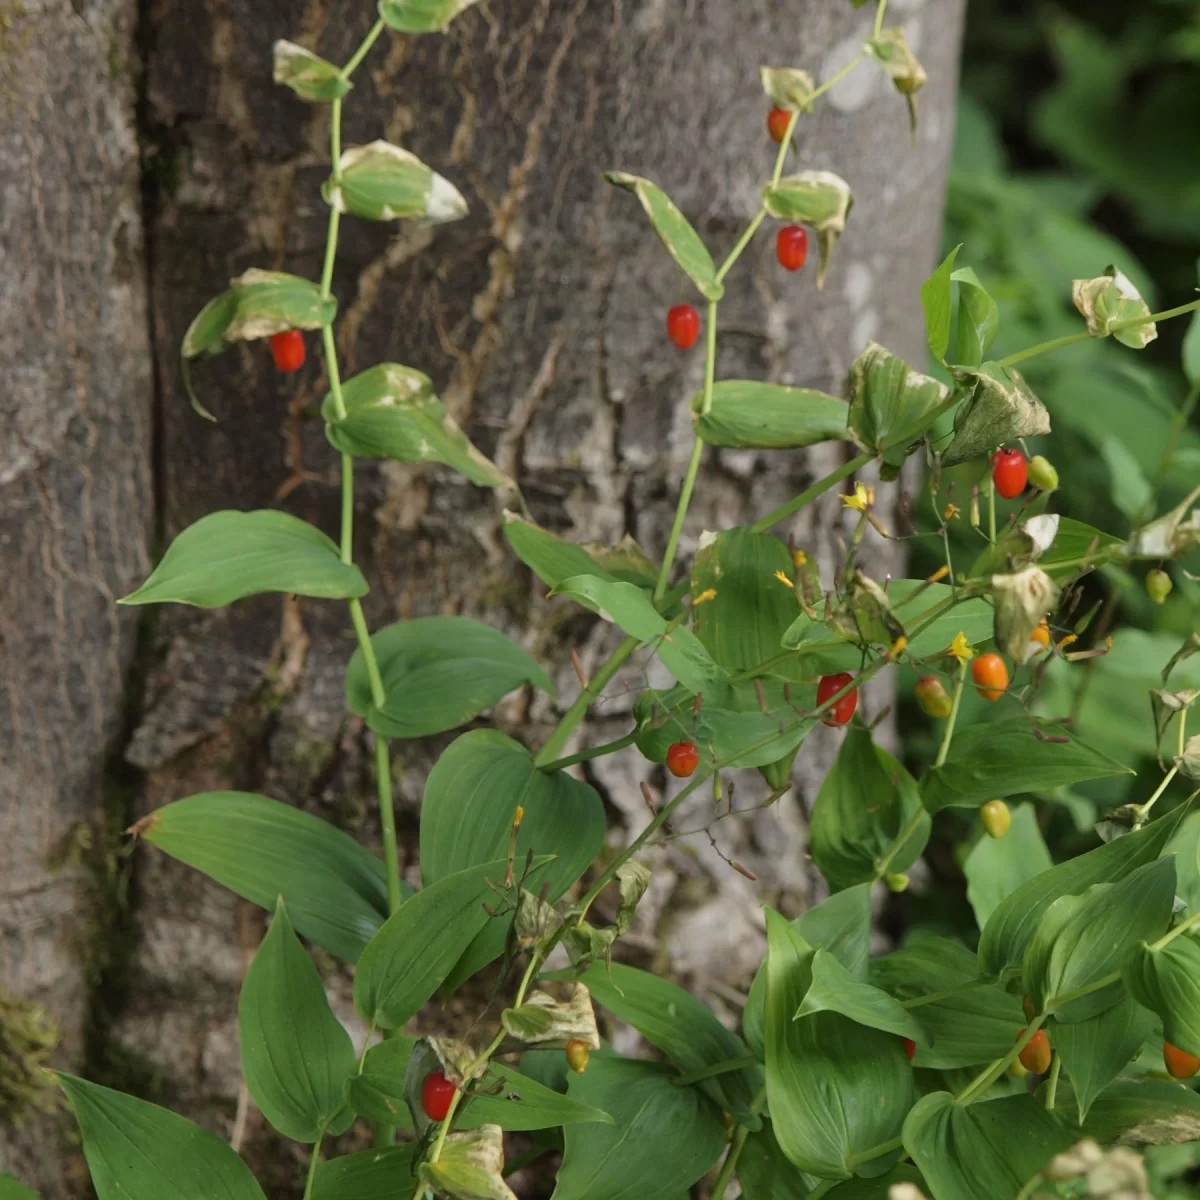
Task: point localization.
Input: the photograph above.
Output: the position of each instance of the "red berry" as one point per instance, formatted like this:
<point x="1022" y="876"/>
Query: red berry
<point x="778" y="120"/>
<point x="436" y="1094"/>
<point x="288" y="349"/>
<point x="683" y="326"/>
<point x="843" y="709"/>
<point x="1010" y="473"/>
<point x="682" y="759"/>
<point x="1035" y="1058"/>
<point x="1180" y="1064"/>
<point x="910" y="1048"/>
<point x="791" y="247"/>
<point x="990" y="675"/>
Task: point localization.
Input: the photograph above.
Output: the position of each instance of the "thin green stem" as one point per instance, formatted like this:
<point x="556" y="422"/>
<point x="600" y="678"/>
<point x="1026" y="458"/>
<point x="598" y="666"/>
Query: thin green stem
<point x="1162" y="787"/>
<point x="715" y="1069"/>
<point x="781" y="155"/>
<point x="592" y="752"/>
<point x="571" y="718"/>
<point x="363" y="50"/>
<point x="730" y="1164"/>
<point x="1178" y="425"/>
<point x="743" y="241"/>
<point x="834" y="80"/>
<point x="879" y="13"/>
<point x="991" y="511"/>
<point x="810" y="494"/>
<point x="378" y="695"/>
<point x="856" y="1160"/>
<point x="685" y="498"/>
<point x="989" y="1075"/>
<point x="910" y="827"/>
<point x="347" y="508"/>
<point x="1044" y="348"/>
<point x="948" y="994"/>
<point x="1052" y="1082"/>
<point x="313" y="1163"/>
<point x="1167" y="315"/>
<point x="951" y="721"/>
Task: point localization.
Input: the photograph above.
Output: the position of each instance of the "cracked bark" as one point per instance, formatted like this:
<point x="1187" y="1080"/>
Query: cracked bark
<point x="539" y="319"/>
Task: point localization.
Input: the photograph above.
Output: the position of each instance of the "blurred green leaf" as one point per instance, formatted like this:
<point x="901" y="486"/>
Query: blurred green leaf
<point x="996" y="867"/>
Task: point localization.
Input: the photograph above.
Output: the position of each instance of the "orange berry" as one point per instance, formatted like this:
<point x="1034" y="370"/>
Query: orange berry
<point x="1180" y="1064"/>
<point x="1035" y="1058"/>
<point x="990" y="675"/>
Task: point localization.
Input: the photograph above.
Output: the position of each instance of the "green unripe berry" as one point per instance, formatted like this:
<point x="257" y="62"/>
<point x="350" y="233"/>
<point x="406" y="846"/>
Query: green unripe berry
<point x="1042" y="474"/>
<point x="1158" y="585"/>
<point x="897" y="883"/>
<point x="996" y="818"/>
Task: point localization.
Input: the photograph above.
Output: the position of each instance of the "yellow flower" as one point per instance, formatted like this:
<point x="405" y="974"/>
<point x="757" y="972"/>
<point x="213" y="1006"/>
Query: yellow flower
<point x="800" y="558"/>
<point x="961" y="649"/>
<point x="898" y="647"/>
<point x="950" y="512"/>
<point x="782" y="577"/>
<point x="940" y="573"/>
<point x="862" y="499"/>
<point x="704" y="597"/>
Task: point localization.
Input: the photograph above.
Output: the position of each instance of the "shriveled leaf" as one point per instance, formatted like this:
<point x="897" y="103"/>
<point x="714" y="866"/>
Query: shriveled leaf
<point x="392" y="412"/>
<point x="421" y="16"/>
<point x="307" y="74"/>
<point x="787" y="87"/>
<point x="1145" y="1112"/>
<point x="819" y="199"/>
<point x="997" y="407"/>
<point x="545" y="1022"/>
<point x="1107" y="301"/>
<point x="228" y="555"/>
<point x="745" y="413"/>
<point x="382" y="182"/>
<point x="471" y="1166"/>
<point x="1171" y="536"/>
<point x="1022" y="599"/>
<point x="891" y="405"/>
<point x="438" y="673"/>
<point x="892" y="51"/>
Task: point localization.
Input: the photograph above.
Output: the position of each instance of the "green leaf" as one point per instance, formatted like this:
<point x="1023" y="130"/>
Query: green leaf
<point x="11" y="1188"/>
<point x="1004" y="758"/>
<point x="683" y="1028"/>
<point x="878" y="1188"/>
<point x="1095" y="1051"/>
<point x="936" y="294"/>
<point x="392" y="412"/>
<point x="834" y="989"/>
<point x="629" y="608"/>
<point x="848" y="831"/>
<point x="554" y="560"/>
<point x="764" y="1172"/>
<point x="834" y="1088"/>
<point x="987" y="1151"/>
<point x="996" y="867"/>
<point x="970" y="1024"/>
<point x="307" y="74"/>
<point x="674" y="231"/>
<point x="138" y="1151"/>
<point x="418" y="945"/>
<point x="997" y="407"/>
<point x="438" y="673"/>
<point x="382" y="182"/>
<point x="1167" y="981"/>
<point x="421" y="16"/>
<point x="335" y="889"/>
<point x="1082" y="938"/>
<point x="891" y="405"/>
<point x="840" y="924"/>
<point x="819" y="199"/>
<point x="1010" y="927"/>
<point x="743" y="624"/>
<point x="503" y="1097"/>
<point x="380" y="1174"/>
<point x="635" y="1159"/>
<point x="1073" y="542"/>
<point x="767" y="416"/>
<point x="1145" y="1112"/>
<point x="296" y="1056"/>
<point x="1130" y="490"/>
<point x="471" y="797"/>
<point x="228" y="555"/>
<point x="978" y="319"/>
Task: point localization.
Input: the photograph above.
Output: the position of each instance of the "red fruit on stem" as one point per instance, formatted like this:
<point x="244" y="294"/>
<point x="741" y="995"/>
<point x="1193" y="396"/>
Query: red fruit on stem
<point x="843" y="709"/>
<point x="288" y="350"/>
<point x="1010" y="472"/>
<point x="910" y="1048"/>
<point x="436" y="1094"/>
<point x="1035" y="1058"/>
<point x="791" y="247"/>
<point x="682" y="759"/>
<point x="1180" y="1064"/>
<point x="683" y="326"/>
<point x="990" y="675"/>
<point x="778" y="120"/>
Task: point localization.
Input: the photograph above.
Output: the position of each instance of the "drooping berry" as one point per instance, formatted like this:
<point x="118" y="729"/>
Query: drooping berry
<point x="842" y="710"/>
<point x="933" y="697"/>
<point x="995" y="817"/>
<point x="1010" y="473"/>
<point x="1180" y="1064"/>
<point x="1042" y="474"/>
<point x="1040" y="638"/>
<point x="1159" y="585"/>
<point x="910" y="1048"/>
<point x="436" y="1094"/>
<point x="682" y="759"/>
<point x="288" y="350"/>
<point x="578" y="1054"/>
<point x="778" y="120"/>
<point x="990" y="675"/>
<point x="1035" y="1058"/>
<point x="683" y="326"/>
<point x="791" y="247"/>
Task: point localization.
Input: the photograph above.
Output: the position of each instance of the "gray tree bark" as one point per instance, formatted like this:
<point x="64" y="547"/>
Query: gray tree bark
<point x="540" y="319"/>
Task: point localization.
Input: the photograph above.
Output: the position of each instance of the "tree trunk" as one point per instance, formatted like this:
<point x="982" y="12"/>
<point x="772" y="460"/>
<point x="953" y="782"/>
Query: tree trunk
<point x="540" y="319"/>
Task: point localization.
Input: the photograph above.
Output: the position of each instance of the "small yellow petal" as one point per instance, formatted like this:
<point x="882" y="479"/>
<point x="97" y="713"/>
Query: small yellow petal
<point x="940" y="573"/>
<point x="862" y="499"/>
<point x="961" y="648"/>
<point x="704" y="597"/>
<point x="800" y="558"/>
<point x="950" y="512"/>
<point x="520" y="815"/>
<point x="1069" y="640"/>
<point x="784" y="579"/>
<point x="898" y="647"/>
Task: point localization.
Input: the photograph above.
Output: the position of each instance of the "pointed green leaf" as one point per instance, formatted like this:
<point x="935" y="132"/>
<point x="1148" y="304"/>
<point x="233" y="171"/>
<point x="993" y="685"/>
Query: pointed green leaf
<point x="1005" y="758"/>
<point x="296" y="1056"/>
<point x="11" y="1188"/>
<point x="138" y="1151"/>
<point x="307" y="74"/>
<point x="384" y="1173"/>
<point x="764" y="1172"/>
<point x="1094" y="1052"/>
<point x="335" y="889"/>
<point x="1010" y="927"/>
<point x="834" y="989"/>
<point x="936" y="294"/>
<point x="978" y="319"/>
<point x="392" y="412"/>
<point x="228" y="555"/>
<point x="438" y="673"/>
<point x="421" y="16"/>
<point x="683" y="1028"/>
<point x="880" y="1186"/>
<point x="635" y="1159"/>
<point x="996" y="867"/>
<point x="553" y="559"/>
<point x="986" y="1151"/>
<point x="1167" y="982"/>
<point x="382" y="182"/>
<point x="674" y="231"/>
<point x="767" y="416"/>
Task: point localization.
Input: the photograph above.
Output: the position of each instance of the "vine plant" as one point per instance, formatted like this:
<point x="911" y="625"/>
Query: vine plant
<point x="850" y="1077"/>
